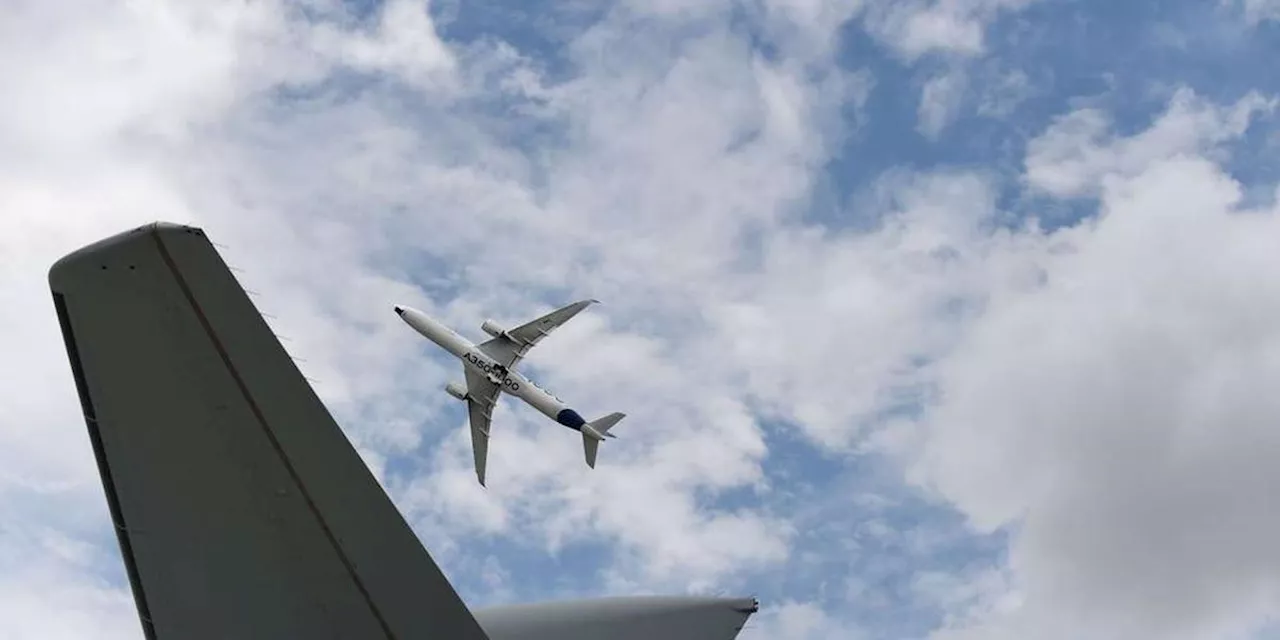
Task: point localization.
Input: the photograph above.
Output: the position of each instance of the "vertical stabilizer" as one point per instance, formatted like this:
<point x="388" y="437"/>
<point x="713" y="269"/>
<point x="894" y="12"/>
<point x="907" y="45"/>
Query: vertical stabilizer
<point x="594" y="432"/>
<point x="242" y="511"/>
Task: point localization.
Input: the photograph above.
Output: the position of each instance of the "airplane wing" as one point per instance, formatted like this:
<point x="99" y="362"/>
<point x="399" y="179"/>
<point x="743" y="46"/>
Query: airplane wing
<point x="240" y="507"/>
<point x="510" y="347"/>
<point x="482" y="395"/>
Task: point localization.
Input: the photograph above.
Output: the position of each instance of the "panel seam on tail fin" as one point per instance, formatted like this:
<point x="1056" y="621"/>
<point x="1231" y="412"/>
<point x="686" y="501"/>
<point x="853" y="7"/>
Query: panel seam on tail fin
<point x="266" y="429"/>
<point x="104" y="468"/>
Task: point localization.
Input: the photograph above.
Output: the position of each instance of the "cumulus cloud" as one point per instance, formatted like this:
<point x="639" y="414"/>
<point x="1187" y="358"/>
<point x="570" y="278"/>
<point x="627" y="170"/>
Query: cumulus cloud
<point x="822" y="295"/>
<point x="39" y="590"/>
<point x="1080" y="151"/>
<point x="953" y="27"/>
<point x="1097" y="392"/>
<point x="1115" y="413"/>
<point x="337" y="200"/>
<point x="403" y="42"/>
<point x="800" y="620"/>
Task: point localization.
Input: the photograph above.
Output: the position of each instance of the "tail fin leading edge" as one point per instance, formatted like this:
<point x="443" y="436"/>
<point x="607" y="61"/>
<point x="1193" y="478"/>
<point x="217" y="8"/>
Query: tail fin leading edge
<point x="596" y="431"/>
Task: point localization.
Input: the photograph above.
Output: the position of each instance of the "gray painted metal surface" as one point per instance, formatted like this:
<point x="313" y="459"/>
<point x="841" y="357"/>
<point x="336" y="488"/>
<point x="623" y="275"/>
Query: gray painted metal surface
<point x="241" y="509"/>
<point x="246" y="512"/>
<point x="632" y="618"/>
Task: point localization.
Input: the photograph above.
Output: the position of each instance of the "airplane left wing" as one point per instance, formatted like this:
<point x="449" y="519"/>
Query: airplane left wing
<point x="513" y="344"/>
<point x="482" y="396"/>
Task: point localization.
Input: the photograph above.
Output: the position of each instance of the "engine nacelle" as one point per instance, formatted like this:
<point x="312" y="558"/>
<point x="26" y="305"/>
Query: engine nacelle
<point x="456" y="390"/>
<point x="492" y="328"/>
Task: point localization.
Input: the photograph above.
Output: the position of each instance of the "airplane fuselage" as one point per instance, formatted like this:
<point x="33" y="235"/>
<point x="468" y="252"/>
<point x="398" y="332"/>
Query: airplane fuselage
<point x="478" y="362"/>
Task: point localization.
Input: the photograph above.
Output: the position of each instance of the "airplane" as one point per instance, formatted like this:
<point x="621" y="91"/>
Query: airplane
<point x="240" y="507"/>
<point x="488" y="370"/>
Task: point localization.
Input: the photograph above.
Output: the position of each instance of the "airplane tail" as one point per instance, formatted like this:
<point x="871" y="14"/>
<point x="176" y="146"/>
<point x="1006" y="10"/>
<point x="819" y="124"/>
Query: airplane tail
<point x="594" y="432"/>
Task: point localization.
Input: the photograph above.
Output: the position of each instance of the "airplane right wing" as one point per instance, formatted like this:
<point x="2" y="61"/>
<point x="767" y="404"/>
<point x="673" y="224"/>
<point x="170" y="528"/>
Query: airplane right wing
<point x="511" y="346"/>
<point x="482" y="396"/>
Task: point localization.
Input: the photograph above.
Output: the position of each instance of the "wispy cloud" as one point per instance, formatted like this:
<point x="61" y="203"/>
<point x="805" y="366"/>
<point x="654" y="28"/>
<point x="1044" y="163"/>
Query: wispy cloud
<point x="941" y="100"/>
<point x="1255" y="11"/>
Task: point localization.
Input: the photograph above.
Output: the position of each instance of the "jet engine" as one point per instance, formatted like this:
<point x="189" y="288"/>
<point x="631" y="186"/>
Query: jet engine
<point x="492" y="328"/>
<point x="456" y="390"/>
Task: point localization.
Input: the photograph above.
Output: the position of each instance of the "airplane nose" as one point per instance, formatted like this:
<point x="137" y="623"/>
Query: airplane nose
<point x="399" y="310"/>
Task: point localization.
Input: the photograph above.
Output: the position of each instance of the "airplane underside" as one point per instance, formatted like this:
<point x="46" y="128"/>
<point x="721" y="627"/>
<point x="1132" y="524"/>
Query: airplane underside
<point x="487" y="368"/>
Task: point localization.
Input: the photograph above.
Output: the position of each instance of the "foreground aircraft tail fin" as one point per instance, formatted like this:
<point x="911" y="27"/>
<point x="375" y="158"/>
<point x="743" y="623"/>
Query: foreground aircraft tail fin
<point x="240" y="507"/>
<point x="596" y="431"/>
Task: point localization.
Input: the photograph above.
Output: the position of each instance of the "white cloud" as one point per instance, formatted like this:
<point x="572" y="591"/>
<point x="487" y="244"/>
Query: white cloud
<point x="808" y="29"/>
<point x="45" y="598"/>
<point x="402" y="44"/>
<point x="1116" y="416"/>
<point x="799" y="621"/>
<point x="941" y="99"/>
<point x="327" y="205"/>
<point x="915" y="28"/>
<point x="1255" y="11"/>
<point x="1005" y="93"/>
<point x="1080" y="152"/>
<point x="848" y="312"/>
<point x="675" y="188"/>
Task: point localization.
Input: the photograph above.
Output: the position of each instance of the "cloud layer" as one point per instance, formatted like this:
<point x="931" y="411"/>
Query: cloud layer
<point x="895" y="401"/>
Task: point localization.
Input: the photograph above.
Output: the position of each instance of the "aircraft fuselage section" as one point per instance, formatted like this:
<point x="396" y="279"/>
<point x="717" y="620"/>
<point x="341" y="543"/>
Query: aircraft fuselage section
<point x="477" y="361"/>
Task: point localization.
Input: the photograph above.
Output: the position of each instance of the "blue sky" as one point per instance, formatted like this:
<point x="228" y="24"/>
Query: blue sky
<point x="938" y="319"/>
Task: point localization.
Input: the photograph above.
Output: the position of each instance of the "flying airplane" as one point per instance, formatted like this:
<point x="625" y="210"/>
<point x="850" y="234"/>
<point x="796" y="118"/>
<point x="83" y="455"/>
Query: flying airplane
<point x="488" y="370"/>
<point x="240" y="507"/>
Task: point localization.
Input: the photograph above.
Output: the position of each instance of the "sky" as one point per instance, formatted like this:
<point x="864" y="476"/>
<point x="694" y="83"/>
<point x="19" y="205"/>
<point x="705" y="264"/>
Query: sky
<point x="937" y="319"/>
